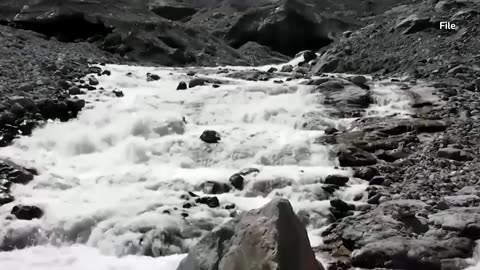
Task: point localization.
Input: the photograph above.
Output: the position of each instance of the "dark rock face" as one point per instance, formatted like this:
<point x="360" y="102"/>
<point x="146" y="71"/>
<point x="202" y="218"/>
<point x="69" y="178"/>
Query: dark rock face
<point x="27" y="212"/>
<point x="271" y="237"/>
<point x="126" y="28"/>
<point x="279" y="29"/>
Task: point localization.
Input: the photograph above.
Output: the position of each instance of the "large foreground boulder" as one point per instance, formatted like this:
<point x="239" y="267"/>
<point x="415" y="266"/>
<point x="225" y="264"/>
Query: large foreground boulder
<point x="268" y="238"/>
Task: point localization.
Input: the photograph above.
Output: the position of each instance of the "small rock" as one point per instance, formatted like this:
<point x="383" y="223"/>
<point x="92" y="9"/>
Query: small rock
<point x="338" y="180"/>
<point x="93" y="81"/>
<point x="230" y="206"/>
<point x="212" y="202"/>
<point x="355" y="157"/>
<point x="358" y="79"/>
<point x="248" y="171"/>
<point x="26" y="87"/>
<point x="377" y="180"/>
<point x="152" y="77"/>
<point x="182" y="86"/>
<point x="5" y="198"/>
<point x="272" y="70"/>
<point x="341" y="205"/>
<point x="454" y="154"/>
<point x="442" y="205"/>
<point x="210" y="136"/>
<point x="26" y="212"/>
<point x="118" y="93"/>
<point x="17" y="109"/>
<point x="75" y="90"/>
<point x="287" y="68"/>
<point x="331" y="130"/>
<point x="212" y="187"/>
<point x="366" y="173"/>
<point x="106" y="72"/>
<point x="375" y="199"/>
<point x="237" y="181"/>
<point x="196" y="82"/>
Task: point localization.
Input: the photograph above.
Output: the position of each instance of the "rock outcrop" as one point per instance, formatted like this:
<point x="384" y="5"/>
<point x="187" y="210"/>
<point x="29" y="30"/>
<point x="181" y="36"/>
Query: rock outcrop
<point x="271" y="237"/>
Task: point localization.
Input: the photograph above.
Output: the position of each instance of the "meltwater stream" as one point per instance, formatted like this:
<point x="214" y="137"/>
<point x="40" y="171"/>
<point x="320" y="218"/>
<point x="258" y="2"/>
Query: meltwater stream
<point x="119" y="171"/>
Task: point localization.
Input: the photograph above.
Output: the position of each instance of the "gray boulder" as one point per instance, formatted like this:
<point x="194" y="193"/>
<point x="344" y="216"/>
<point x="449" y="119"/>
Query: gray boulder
<point x="271" y="237"/>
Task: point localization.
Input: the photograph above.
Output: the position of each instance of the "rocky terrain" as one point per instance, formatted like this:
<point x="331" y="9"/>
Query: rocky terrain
<point x="422" y="205"/>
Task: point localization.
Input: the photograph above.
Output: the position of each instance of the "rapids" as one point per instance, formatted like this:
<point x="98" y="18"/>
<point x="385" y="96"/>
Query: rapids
<point x="109" y="176"/>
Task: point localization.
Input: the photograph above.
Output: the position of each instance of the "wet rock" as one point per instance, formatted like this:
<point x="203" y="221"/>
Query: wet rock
<point x="7" y="117"/>
<point x="330" y="131"/>
<point x="353" y="157"/>
<point x="15" y="173"/>
<point x="17" y="109"/>
<point x="196" y="82"/>
<point x="375" y="199"/>
<point x="118" y="93"/>
<point x="341" y="205"/>
<point x="27" y="212"/>
<point x="152" y="77"/>
<point x="272" y="70"/>
<point x="106" y="72"/>
<point x="442" y="205"/>
<point x="454" y="154"/>
<point x="237" y="181"/>
<point x="247" y="171"/>
<point x="93" y="81"/>
<point x="330" y="188"/>
<point x="75" y="104"/>
<point x="162" y="242"/>
<point x="366" y="173"/>
<point x="391" y="155"/>
<point x="182" y="86"/>
<point x="230" y="206"/>
<point x="421" y="125"/>
<point x="308" y="56"/>
<point x="5" y="198"/>
<point x="287" y="68"/>
<point x="338" y="180"/>
<point x="377" y="180"/>
<point x="265" y="187"/>
<point x="359" y="79"/>
<point x="27" y="103"/>
<point x="212" y="202"/>
<point x="272" y="236"/>
<point x="210" y="136"/>
<point x="75" y="90"/>
<point x="212" y="187"/>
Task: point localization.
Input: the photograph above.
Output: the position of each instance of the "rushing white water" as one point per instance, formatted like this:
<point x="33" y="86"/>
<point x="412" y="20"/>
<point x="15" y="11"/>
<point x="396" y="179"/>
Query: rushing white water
<point x="108" y="177"/>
